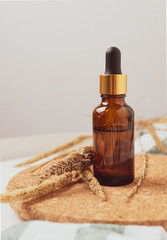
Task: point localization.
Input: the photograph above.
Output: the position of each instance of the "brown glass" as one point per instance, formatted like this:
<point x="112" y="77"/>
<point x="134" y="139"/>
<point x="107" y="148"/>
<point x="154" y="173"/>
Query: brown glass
<point x="113" y="141"/>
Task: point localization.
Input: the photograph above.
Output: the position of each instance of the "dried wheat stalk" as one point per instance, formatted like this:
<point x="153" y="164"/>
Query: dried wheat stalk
<point x="138" y="184"/>
<point x="148" y="124"/>
<point x="161" y="129"/>
<point x="152" y="120"/>
<point x="161" y="120"/>
<point x="143" y="124"/>
<point x="159" y="144"/>
<point x="76" y="161"/>
<point x="40" y="190"/>
<point x="93" y="184"/>
<point x="56" y="150"/>
<point x="60" y="156"/>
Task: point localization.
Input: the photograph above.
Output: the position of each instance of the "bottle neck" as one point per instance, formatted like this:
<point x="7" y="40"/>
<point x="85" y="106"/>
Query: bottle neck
<point x="118" y="99"/>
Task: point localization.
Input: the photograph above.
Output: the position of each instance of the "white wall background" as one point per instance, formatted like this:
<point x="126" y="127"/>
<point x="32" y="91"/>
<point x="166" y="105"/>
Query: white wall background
<point x="51" y="55"/>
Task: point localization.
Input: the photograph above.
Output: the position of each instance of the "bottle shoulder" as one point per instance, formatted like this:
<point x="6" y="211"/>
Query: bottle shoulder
<point x="129" y="108"/>
<point x="115" y="109"/>
<point x="113" y="116"/>
<point x="101" y="108"/>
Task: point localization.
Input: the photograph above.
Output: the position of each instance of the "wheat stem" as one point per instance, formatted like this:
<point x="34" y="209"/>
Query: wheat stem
<point x="56" y="150"/>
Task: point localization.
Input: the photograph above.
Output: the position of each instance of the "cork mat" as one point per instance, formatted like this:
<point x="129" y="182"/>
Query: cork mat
<point x="77" y="204"/>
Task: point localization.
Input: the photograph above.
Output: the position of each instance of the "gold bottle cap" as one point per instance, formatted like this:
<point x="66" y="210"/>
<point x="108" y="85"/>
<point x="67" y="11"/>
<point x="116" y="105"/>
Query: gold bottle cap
<point x="113" y="81"/>
<point x="113" y="84"/>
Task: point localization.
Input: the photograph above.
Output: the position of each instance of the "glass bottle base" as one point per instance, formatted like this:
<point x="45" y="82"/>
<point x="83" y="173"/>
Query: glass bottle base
<point x="114" y="180"/>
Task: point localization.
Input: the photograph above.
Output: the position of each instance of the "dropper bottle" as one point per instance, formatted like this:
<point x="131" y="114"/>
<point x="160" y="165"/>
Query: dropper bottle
<point x="113" y="126"/>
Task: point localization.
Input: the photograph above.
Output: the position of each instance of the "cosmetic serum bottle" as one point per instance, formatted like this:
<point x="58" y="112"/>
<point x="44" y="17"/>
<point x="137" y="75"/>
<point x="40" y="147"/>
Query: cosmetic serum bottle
<point x="113" y="126"/>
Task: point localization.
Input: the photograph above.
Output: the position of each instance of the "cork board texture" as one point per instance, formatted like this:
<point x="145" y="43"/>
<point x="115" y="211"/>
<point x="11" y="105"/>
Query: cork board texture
<point x="77" y="204"/>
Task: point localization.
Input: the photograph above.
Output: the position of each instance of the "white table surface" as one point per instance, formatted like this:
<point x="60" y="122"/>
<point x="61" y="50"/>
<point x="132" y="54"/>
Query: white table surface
<point x="16" y="150"/>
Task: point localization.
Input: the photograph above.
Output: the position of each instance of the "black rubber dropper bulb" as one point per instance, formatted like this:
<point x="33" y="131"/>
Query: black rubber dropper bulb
<point x="113" y="61"/>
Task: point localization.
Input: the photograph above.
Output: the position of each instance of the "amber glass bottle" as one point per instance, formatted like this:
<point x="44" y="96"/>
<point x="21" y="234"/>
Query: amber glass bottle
<point x="113" y="127"/>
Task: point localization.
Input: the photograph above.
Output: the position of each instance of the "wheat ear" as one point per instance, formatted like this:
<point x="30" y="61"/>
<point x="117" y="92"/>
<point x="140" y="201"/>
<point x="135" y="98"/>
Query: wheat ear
<point x="46" y="187"/>
<point x="93" y="183"/>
